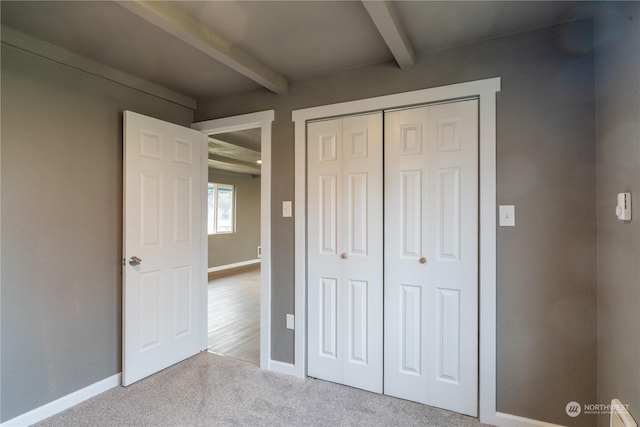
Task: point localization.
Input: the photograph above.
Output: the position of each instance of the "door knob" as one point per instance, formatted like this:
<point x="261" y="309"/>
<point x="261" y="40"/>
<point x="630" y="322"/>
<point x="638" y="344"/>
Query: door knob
<point x="343" y="255"/>
<point x="134" y="260"/>
<point x="422" y="260"/>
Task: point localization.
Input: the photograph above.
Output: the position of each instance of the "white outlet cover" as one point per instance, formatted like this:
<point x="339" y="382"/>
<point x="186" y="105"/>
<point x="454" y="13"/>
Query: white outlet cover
<point x="290" y="321"/>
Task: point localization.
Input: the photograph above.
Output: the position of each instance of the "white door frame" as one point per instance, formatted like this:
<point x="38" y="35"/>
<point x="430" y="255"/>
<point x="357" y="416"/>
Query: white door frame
<point x="485" y="91"/>
<point x="262" y="120"/>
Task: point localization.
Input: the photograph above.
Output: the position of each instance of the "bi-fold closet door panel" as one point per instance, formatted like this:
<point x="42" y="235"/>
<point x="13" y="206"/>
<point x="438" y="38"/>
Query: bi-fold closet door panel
<point x="431" y="255"/>
<point x="345" y="252"/>
<point x="430" y="263"/>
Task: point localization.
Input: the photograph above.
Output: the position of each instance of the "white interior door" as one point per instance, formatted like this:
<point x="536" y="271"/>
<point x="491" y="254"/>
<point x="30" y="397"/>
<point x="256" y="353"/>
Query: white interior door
<point x="345" y="251"/>
<point x="164" y="274"/>
<point x="431" y="255"/>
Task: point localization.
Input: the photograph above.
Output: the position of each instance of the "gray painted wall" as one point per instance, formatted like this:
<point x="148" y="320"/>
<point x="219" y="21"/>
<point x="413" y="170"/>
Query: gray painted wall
<point x="61" y="227"/>
<point x="546" y="167"/>
<point x="243" y="244"/>
<point x="618" y="123"/>
<point x="61" y="148"/>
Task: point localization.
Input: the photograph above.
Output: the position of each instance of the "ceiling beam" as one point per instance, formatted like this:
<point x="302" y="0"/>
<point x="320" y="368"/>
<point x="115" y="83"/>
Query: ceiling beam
<point x="231" y="161"/>
<point x="230" y="143"/>
<point x="213" y="164"/>
<point x="239" y="140"/>
<point x="172" y="20"/>
<point x="386" y="20"/>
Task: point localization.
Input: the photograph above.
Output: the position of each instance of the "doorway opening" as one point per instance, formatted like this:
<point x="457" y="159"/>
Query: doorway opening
<point x="234" y="251"/>
<point x="250" y="134"/>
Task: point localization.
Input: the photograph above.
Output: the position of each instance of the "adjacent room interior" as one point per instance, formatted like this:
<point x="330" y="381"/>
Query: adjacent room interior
<point x="234" y="252"/>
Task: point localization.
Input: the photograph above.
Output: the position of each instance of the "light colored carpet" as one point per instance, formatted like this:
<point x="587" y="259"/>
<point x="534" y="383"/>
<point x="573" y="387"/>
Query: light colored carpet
<point x="210" y="390"/>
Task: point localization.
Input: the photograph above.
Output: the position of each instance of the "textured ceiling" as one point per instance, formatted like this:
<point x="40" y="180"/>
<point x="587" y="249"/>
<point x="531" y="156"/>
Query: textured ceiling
<point x="291" y="40"/>
<point x="237" y="151"/>
<point x="296" y="39"/>
<point x="436" y="24"/>
<point x="111" y="35"/>
<point x="300" y="40"/>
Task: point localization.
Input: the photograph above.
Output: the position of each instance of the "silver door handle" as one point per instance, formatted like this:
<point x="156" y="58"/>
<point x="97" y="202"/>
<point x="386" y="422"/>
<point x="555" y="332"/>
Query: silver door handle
<point x="134" y="260"/>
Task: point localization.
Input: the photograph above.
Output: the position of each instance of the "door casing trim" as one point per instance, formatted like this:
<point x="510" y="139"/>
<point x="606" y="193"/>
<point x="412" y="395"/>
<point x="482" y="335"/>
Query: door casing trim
<point x="262" y="120"/>
<point x="485" y="90"/>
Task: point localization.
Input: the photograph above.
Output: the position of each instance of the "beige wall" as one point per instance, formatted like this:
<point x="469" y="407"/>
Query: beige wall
<point x="61" y="227"/>
<point x="618" y="123"/>
<point x="243" y="244"/>
<point x="546" y="167"/>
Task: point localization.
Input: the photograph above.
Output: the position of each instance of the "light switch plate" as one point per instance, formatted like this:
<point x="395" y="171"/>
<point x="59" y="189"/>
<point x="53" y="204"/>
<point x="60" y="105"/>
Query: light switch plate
<point x="507" y="216"/>
<point x="623" y="209"/>
<point x="286" y="209"/>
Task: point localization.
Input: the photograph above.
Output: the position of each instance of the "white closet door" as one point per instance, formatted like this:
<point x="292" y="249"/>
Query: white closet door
<point x="324" y="195"/>
<point x="345" y="251"/>
<point x="362" y="289"/>
<point x="431" y="255"/>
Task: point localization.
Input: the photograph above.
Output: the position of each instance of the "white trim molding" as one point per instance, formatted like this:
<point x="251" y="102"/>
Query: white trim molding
<point x="282" y="367"/>
<point x="485" y="91"/>
<point x="63" y="403"/>
<point x="262" y="120"/>
<point x="506" y="420"/>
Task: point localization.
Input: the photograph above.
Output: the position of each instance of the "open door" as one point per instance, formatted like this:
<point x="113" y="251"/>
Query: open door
<point x="164" y="273"/>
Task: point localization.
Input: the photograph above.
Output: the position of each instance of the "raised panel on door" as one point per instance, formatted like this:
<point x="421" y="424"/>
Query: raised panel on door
<point x="409" y="340"/>
<point x="150" y="208"/>
<point x="148" y="300"/>
<point x="328" y="321"/>
<point x="362" y="289"/>
<point x="447" y="340"/>
<point x="182" y="297"/>
<point x="410" y="209"/>
<point x="182" y="210"/>
<point x="448" y="214"/>
<point x="324" y="347"/>
<point x="328" y="214"/>
<point x="431" y="260"/>
<point x="357" y="318"/>
<point x="358" y="213"/>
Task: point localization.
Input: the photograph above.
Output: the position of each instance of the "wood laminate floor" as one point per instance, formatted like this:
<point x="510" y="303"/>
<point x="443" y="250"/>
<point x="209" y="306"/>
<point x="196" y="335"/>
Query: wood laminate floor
<point x="234" y="316"/>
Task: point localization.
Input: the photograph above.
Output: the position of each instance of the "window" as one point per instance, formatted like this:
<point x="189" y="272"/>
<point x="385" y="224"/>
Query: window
<point x="221" y="209"/>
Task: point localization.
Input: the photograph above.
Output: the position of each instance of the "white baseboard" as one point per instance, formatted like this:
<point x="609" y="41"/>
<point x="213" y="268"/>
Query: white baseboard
<point x="507" y="420"/>
<point x="234" y="265"/>
<point x="282" y="368"/>
<point x="63" y="403"/>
